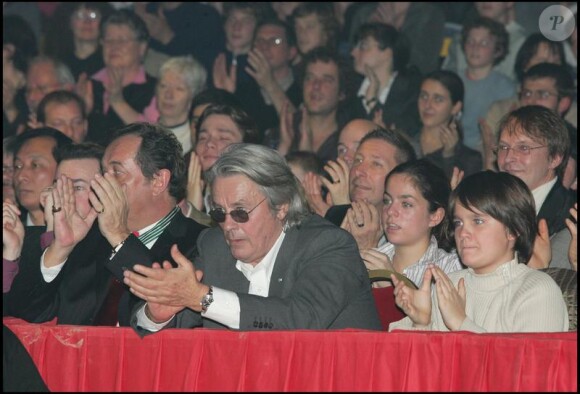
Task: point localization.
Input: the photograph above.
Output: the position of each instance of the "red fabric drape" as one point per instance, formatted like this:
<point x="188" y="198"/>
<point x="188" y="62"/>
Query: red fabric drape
<point x="72" y="358"/>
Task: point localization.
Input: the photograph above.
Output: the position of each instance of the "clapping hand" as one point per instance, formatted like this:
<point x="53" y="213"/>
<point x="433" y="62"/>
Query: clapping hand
<point x="195" y="183"/>
<point x="313" y="191"/>
<point x="339" y="187"/>
<point x="416" y="303"/>
<point x="109" y="200"/>
<point x="451" y="300"/>
<point x="222" y="79"/>
<point x="363" y="221"/>
<point x="449" y="136"/>
<point x="12" y="231"/>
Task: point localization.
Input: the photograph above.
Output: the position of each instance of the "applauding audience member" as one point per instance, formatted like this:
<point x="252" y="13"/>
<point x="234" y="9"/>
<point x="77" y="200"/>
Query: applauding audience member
<point x="270" y="265"/>
<point x="534" y="145"/>
<point x="495" y="226"/>
<point x="440" y="139"/>
<point x="378" y="153"/>
<point x="105" y="223"/>
<point x="415" y="220"/>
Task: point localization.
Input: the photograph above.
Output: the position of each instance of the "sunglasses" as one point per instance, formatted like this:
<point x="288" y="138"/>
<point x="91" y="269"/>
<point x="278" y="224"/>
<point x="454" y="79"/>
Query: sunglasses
<point x="239" y="215"/>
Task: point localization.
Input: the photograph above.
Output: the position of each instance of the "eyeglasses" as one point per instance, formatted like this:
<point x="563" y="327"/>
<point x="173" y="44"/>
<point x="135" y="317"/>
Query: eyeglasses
<point x="239" y="215"/>
<point x="274" y="41"/>
<point x="86" y="15"/>
<point x="538" y="94"/>
<point x="44" y="89"/>
<point x="119" y="41"/>
<point x="522" y="150"/>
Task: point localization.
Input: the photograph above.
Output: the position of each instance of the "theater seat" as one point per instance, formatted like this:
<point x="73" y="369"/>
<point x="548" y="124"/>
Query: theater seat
<point x="385" y="299"/>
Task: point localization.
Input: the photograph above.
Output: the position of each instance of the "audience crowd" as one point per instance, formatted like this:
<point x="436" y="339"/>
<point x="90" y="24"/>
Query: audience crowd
<point x="247" y="165"/>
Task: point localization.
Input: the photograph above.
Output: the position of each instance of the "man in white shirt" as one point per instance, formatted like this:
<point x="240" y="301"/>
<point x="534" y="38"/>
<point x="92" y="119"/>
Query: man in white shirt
<point x="268" y="265"/>
<point x="534" y="145"/>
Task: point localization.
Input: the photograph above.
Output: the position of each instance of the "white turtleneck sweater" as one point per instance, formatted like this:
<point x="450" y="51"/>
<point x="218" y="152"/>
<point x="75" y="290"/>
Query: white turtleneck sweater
<point x="513" y="298"/>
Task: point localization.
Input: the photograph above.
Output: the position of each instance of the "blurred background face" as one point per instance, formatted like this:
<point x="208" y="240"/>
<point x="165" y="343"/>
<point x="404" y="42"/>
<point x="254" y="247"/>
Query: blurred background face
<point x="479" y="48"/>
<point x="216" y="133"/>
<point x="41" y="80"/>
<point x="8" y="176"/>
<point x="495" y="10"/>
<point x="373" y="161"/>
<point x="67" y="118"/>
<point x="544" y="54"/>
<point x="12" y="81"/>
<point x="85" y="24"/>
<point x="80" y="171"/>
<point x="367" y="53"/>
<point x="309" y="33"/>
<point x="272" y="42"/>
<point x="34" y="169"/>
<point x="173" y="97"/>
<point x="540" y="91"/>
<point x="350" y="138"/>
<point x="435" y="106"/>
<point x="321" y="87"/>
<point x="121" y="48"/>
<point x="239" y="27"/>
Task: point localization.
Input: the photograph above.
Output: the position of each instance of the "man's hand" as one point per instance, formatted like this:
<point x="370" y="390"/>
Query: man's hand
<point x="313" y="191"/>
<point x="451" y="301"/>
<point x="286" y="128"/>
<point x="157" y="25"/>
<point x="260" y="69"/>
<point x="195" y="184"/>
<point x="363" y="221"/>
<point x="177" y="288"/>
<point x="339" y="187"/>
<point x="12" y="231"/>
<point x="109" y="200"/>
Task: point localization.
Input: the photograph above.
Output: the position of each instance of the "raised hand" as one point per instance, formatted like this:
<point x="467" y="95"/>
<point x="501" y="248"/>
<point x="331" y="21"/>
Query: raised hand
<point x="306" y="135"/>
<point x="286" y="128"/>
<point x="313" y="191"/>
<point x="157" y="25"/>
<point x="339" y="187"/>
<point x="449" y="136"/>
<point x="260" y="69"/>
<point x="69" y="227"/>
<point x="84" y="88"/>
<point x="12" y="231"/>
<point x="109" y="200"/>
<point x="456" y="177"/>
<point x="222" y="79"/>
<point x="363" y="221"/>
<point x="375" y="260"/>
<point x="114" y="87"/>
<point x="572" y="226"/>
<point x="46" y="204"/>
<point x="488" y="142"/>
<point x="415" y="303"/>
<point x="542" y="252"/>
<point x="451" y="301"/>
<point x="195" y="183"/>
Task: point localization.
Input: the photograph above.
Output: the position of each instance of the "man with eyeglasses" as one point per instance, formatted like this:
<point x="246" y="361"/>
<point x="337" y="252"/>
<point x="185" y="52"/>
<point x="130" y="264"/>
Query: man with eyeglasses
<point x="534" y="145"/>
<point x="272" y="81"/>
<point x="269" y="265"/>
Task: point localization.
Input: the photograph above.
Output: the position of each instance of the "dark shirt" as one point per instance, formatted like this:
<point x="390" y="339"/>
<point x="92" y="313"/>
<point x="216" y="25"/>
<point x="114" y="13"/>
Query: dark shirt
<point x="90" y="65"/>
<point x="466" y="159"/>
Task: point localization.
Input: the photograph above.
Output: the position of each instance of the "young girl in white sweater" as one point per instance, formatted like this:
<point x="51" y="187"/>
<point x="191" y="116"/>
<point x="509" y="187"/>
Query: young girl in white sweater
<point x="494" y="222"/>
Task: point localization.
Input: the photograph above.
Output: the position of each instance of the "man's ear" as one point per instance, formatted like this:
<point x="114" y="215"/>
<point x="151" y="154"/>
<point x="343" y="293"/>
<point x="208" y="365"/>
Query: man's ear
<point x="564" y="105"/>
<point x="161" y="181"/>
<point x="282" y="212"/>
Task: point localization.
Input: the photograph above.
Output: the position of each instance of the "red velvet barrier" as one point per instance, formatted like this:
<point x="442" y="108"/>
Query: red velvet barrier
<point x="74" y="358"/>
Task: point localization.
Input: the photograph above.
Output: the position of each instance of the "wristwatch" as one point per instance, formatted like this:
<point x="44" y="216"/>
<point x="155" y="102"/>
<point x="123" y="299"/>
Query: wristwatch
<point x="207" y="300"/>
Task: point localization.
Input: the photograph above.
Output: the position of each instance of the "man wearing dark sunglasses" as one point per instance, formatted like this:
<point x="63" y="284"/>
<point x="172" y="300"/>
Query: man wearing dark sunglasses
<point x="270" y="264"/>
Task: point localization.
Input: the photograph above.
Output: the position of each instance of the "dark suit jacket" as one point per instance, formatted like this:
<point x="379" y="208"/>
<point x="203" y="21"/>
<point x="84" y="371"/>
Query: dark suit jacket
<point x="318" y="282"/>
<point x="76" y="295"/>
<point x="556" y="207"/>
<point x="400" y="108"/>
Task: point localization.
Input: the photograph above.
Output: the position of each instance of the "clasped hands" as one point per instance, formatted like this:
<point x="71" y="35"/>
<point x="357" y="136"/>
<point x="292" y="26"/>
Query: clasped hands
<point x="417" y="303"/>
<point x="166" y="289"/>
